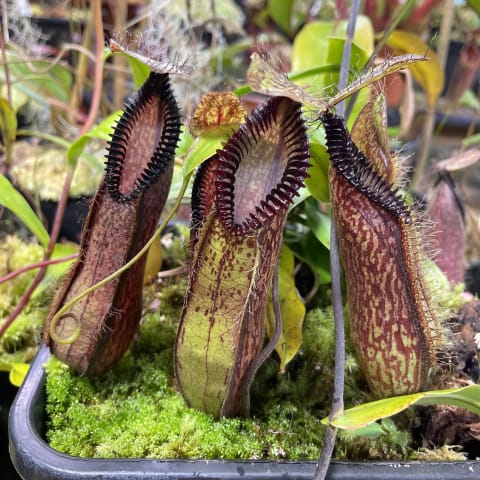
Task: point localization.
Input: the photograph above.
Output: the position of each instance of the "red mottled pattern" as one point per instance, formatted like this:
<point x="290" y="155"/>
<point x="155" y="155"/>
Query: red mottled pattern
<point x="389" y="323"/>
<point x="222" y="327"/>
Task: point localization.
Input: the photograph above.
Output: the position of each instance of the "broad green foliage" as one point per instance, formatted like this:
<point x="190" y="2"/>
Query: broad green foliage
<point x="317" y="44"/>
<point x="14" y="201"/>
<point x="287" y="14"/>
<point x="202" y="148"/>
<point x="101" y="131"/>
<point x="306" y="247"/>
<point x="317" y="182"/>
<point x="363" y="415"/>
<point x="318" y="222"/>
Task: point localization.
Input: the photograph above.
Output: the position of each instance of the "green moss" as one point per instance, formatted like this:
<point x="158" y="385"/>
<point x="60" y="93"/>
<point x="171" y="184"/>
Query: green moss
<point x="384" y="440"/>
<point x="41" y="170"/>
<point x="135" y="411"/>
<point x="447" y="300"/>
<point x="21" y="339"/>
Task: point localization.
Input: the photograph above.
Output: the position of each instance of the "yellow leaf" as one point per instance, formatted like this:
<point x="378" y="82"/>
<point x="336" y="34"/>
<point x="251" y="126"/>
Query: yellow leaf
<point x="18" y="373"/>
<point x="292" y="308"/>
<point x="428" y="74"/>
<point x="154" y="262"/>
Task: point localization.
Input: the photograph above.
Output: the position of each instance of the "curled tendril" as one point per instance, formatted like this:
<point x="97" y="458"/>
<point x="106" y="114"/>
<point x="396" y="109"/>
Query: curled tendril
<point x="62" y="313"/>
<point x="73" y="337"/>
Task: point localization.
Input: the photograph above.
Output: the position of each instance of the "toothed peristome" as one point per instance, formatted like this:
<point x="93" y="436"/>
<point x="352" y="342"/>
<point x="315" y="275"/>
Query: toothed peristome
<point x="394" y="326"/>
<point x="94" y="332"/>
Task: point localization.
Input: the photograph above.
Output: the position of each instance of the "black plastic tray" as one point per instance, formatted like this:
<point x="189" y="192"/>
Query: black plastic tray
<point x="35" y="460"/>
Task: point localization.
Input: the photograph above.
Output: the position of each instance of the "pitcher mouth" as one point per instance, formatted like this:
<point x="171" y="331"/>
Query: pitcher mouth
<point x="139" y="151"/>
<point x="353" y="166"/>
<point x="262" y="166"/>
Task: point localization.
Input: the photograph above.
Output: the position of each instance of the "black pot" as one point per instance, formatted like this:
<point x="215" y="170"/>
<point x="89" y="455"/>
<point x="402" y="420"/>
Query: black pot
<point x="7" y="394"/>
<point x="34" y="459"/>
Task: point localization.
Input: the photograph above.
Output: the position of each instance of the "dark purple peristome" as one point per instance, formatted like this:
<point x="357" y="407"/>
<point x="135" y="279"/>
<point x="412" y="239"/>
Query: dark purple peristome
<point x="352" y="165"/>
<point x="161" y="157"/>
<point x="122" y="218"/>
<point x="284" y="115"/>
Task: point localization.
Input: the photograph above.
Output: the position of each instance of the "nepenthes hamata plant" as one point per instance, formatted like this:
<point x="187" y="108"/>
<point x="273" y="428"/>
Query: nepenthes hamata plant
<point x="235" y="246"/>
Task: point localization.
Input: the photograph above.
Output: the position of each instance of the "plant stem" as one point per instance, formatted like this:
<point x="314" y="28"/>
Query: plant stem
<point x="339" y="370"/>
<point x="81" y="68"/>
<point x="120" y="76"/>
<point x="33" y="266"/>
<point x="4" y="167"/>
<point x="97" y="87"/>
<point x="394" y="22"/>
<point x="3" y="40"/>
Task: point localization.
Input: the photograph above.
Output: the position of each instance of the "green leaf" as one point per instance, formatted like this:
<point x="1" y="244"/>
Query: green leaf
<point x="358" y="60"/>
<point x="317" y="182"/>
<point x="280" y="11"/>
<point x="184" y="142"/>
<point x="14" y="201"/>
<point x="292" y="308"/>
<point x="363" y="415"/>
<point x="201" y="148"/>
<point x="313" y="47"/>
<point x="18" y="372"/>
<point x="310" y="49"/>
<point x="61" y="250"/>
<point x="56" y="270"/>
<point x="470" y="100"/>
<point x="289" y="15"/>
<point x="101" y="131"/>
<point x="428" y="74"/>
<point x="471" y="140"/>
<point x="310" y="251"/>
<point x="318" y="222"/>
<point x="474" y="5"/>
<point x="92" y="160"/>
<point x="39" y="79"/>
<point x="140" y="71"/>
<point x="8" y="122"/>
